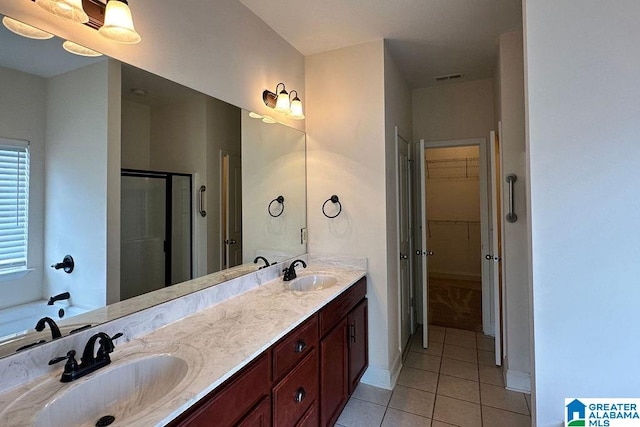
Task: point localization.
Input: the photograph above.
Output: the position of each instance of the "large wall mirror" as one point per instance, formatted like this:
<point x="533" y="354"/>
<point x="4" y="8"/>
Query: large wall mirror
<point x="155" y="190"/>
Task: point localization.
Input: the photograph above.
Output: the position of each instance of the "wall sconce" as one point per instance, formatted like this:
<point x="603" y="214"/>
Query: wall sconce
<point x="282" y="102"/>
<point x="68" y="9"/>
<point x="118" y="23"/>
<point x="77" y="49"/>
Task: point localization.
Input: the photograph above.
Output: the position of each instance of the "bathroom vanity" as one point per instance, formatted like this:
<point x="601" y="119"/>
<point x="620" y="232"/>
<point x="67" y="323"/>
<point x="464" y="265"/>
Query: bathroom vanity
<point x="269" y="355"/>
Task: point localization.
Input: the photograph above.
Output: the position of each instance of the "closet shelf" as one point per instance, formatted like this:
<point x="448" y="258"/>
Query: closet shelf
<point x="448" y="169"/>
<point x="467" y="224"/>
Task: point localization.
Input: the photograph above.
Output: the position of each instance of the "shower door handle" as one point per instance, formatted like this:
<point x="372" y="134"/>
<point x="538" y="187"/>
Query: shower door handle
<point x="201" y="191"/>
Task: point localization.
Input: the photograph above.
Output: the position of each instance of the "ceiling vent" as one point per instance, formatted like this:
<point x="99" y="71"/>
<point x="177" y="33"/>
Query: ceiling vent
<point x="449" y="77"/>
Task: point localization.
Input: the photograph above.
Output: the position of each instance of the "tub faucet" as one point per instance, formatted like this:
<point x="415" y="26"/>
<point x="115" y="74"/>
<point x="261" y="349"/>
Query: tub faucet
<point x="266" y="262"/>
<point x="59" y="297"/>
<point x="55" y="331"/>
<point x="290" y="272"/>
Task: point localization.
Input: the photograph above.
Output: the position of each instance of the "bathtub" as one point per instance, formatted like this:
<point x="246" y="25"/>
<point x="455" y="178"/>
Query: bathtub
<point x="18" y="320"/>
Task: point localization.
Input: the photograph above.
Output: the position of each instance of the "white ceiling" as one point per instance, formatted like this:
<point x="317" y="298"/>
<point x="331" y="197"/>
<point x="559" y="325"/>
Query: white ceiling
<point x="427" y="38"/>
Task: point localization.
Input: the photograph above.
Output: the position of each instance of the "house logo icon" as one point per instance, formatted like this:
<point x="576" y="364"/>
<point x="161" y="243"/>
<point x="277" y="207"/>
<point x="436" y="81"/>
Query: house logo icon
<point x="576" y="414"/>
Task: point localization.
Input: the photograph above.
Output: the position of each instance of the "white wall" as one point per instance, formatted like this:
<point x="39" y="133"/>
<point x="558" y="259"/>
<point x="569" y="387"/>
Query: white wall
<point x="453" y="111"/>
<point x="583" y="108"/>
<point x="76" y="177"/>
<point x="23" y="116"/>
<point x="346" y="156"/>
<point x="514" y="252"/>
<point x="219" y="48"/>
<point x="136" y="135"/>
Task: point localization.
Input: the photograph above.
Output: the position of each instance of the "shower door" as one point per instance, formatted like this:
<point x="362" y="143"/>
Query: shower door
<point x="156" y="230"/>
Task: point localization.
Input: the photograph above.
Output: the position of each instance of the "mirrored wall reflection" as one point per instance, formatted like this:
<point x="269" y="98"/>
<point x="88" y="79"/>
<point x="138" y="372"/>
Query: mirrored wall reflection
<point x="92" y="124"/>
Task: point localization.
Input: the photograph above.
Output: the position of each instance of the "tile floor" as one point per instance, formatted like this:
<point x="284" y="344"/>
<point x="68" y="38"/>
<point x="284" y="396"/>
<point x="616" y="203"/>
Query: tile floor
<point x="453" y="383"/>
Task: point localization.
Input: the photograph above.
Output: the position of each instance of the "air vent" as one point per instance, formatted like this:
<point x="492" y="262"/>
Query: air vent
<point x="448" y="77"/>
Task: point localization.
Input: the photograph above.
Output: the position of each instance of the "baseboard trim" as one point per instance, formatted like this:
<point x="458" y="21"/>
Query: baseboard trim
<point x="518" y="381"/>
<point x="383" y="378"/>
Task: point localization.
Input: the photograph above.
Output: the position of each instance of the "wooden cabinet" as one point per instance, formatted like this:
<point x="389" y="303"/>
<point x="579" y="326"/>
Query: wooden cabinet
<point x="303" y="380"/>
<point x="343" y="350"/>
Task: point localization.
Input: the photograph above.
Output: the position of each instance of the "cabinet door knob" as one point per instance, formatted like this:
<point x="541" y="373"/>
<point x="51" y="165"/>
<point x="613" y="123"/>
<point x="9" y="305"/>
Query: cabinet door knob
<point x="300" y="395"/>
<point x="300" y="346"/>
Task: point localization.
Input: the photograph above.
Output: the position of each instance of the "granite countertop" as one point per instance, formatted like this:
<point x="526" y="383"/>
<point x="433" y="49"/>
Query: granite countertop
<point x="215" y="342"/>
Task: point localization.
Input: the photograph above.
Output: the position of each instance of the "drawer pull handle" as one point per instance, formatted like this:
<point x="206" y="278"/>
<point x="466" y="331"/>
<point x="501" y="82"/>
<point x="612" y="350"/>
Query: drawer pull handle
<point x="300" y="346"/>
<point x="300" y="395"/>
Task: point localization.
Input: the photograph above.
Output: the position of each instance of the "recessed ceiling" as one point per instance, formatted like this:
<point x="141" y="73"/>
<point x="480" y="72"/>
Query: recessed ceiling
<point x="427" y="38"/>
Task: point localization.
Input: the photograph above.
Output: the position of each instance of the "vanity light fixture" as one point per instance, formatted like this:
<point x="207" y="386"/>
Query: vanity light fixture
<point x="24" y="30"/>
<point x="77" y="49"/>
<point x="296" y="107"/>
<point x="118" y="23"/>
<point x="283" y="103"/>
<point x="265" y="119"/>
<point x="68" y="9"/>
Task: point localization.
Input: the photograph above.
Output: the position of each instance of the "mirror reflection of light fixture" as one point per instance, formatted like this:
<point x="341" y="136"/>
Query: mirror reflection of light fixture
<point x="68" y="9"/>
<point x="25" y="30"/>
<point x="296" y="107"/>
<point x="118" y="23"/>
<point x="282" y="102"/>
<point x="77" y="49"/>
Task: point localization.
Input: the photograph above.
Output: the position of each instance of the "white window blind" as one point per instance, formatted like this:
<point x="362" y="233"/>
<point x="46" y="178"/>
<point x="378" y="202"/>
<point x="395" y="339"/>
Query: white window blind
<point x="14" y="204"/>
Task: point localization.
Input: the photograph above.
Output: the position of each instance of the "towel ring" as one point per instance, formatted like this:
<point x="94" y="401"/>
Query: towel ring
<point x="280" y="200"/>
<point x="333" y="199"/>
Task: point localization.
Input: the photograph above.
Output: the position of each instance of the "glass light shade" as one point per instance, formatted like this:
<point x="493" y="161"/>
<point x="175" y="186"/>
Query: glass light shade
<point x="77" y="49"/>
<point x="254" y="115"/>
<point x="282" y="104"/>
<point x="267" y="119"/>
<point x="68" y="9"/>
<point x="296" y="109"/>
<point x="25" y="30"/>
<point x="118" y="23"/>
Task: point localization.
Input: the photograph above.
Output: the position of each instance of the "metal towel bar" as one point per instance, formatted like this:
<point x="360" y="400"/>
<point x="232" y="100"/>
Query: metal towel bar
<point x="511" y="215"/>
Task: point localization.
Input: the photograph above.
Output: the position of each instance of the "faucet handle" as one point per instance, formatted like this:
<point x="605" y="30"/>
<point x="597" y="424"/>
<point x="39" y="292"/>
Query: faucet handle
<point x="106" y="346"/>
<point x="70" y="357"/>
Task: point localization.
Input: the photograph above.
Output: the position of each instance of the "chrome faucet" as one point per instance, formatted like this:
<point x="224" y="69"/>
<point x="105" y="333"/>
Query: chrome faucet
<point x="290" y="272"/>
<point x="89" y="362"/>
<point x="55" y="331"/>
<point x="266" y="262"/>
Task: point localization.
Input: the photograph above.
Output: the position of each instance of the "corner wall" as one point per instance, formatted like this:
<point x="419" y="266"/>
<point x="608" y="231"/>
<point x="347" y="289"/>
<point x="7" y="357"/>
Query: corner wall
<point x="582" y="87"/>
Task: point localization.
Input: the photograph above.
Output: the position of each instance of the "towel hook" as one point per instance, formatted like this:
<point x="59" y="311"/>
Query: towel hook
<point x="333" y="199"/>
<point x="280" y="200"/>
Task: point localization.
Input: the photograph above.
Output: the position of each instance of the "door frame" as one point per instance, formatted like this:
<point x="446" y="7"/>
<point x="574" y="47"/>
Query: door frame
<point x="483" y="166"/>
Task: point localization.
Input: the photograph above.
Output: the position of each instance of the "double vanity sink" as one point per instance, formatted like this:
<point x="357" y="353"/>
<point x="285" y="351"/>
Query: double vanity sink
<point x="154" y="378"/>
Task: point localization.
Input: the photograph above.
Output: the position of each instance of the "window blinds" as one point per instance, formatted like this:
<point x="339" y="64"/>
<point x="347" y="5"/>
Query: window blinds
<point x="14" y="204"/>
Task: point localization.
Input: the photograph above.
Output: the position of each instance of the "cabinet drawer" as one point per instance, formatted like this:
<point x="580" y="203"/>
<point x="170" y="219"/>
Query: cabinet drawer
<point x="333" y="312"/>
<point x="295" y="346"/>
<point x="310" y="418"/>
<point x="238" y="395"/>
<point x="293" y="396"/>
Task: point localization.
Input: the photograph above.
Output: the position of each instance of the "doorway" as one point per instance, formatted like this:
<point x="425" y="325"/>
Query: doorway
<point x="156" y="231"/>
<point x="231" y="210"/>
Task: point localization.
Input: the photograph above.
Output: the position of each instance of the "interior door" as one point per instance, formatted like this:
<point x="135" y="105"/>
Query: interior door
<point x="422" y="251"/>
<point x="233" y="242"/>
<point x="404" y="237"/>
<point x="495" y="257"/>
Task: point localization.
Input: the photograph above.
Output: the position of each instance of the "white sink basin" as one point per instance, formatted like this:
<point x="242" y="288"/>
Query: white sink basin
<point x="126" y="392"/>
<point x="312" y="283"/>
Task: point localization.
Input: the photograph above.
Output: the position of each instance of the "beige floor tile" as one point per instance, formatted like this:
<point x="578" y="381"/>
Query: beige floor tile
<point x="436" y="335"/>
<point x="437" y="328"/>
<point x="459" y="388"/>
<point x="434" y="349"/>
<point x="396" y="418"/>
<point x="461" y="332"/>
<point x="457" y="368"/>
<point x="527" y="397"/>
<point x="468" y="341"/>
<point x="499" y="397"/>
<point x="491" y="375"/>
<point x="417" y="402"/>
<point x="423" y="361"/>
<point x="487" y="358"/>
<point x="487" y="344"/>
<point x="435" y="423"/>
<point x="419" y="379"/>
<point x="376" y="395"/>
<point x="457" y="412"/>
<point x="460" y="353"/>
<point x="359" y="413"/>
<point x="498" y="418"/>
